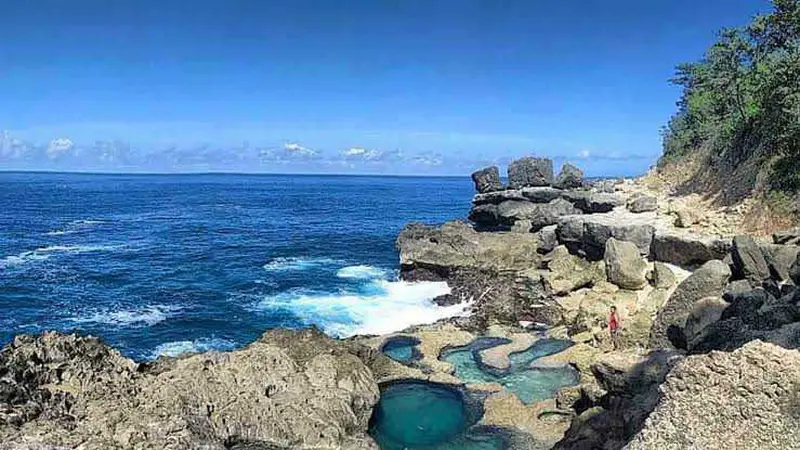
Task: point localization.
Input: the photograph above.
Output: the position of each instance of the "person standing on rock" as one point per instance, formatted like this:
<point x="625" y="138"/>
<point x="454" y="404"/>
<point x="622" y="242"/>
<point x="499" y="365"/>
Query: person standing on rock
<point x="613" y="327"/>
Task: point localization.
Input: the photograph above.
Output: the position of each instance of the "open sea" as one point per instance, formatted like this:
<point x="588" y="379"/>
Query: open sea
<point x="166" y="264"/>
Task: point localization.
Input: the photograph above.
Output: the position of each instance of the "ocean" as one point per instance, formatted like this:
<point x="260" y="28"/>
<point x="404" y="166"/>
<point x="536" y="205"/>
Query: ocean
<point x="167" y="264"/>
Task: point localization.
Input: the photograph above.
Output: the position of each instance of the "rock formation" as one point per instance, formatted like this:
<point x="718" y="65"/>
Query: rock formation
<point x="487" y="180"/>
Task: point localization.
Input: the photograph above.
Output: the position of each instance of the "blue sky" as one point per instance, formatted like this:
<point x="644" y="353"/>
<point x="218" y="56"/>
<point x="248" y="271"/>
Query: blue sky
<point x="359" y="86"/>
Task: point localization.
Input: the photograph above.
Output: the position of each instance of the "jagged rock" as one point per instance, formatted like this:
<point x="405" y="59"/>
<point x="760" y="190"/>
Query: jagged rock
<point x="684" y="249"/>
<point x="746" y="399"/>
<point x="457" y="245"/>
<point x="707" y="281"/>
<point x="779" y="259"/>
<point x="748" y="260"/>
<point x="787" y="237"/>
<point x="289" y="389"/>
<point x="547" y="239"/>
<point x="566" y="272"/>
<point x="592" y="202"/>
<point x="495" y="198"/>
<point x="487" y="180"/>
<point x="663" y="277"/>
<point x="570" y="177"/>
<point x="511" y="211"/>
<point x="588" y="234"/>
<point x="548" y="214"/>
<point x="624" y="265"/>
<point x="704" y="312"/>
<point x="642" y="203"/>
<point x="530" y="171"/>
<point x="541" y="194"/>
<point x="484" y="215"/>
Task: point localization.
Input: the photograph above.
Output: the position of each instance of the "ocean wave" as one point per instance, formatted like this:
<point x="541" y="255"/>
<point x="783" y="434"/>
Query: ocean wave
<point x="285" y="264"/>
<point x="140" y="317"/>
<point x="362" y="272"/>
<point x="395" y="305"/>
<point x="43" y="253"/>
<point x="177" y="348"/>
<point x="76" y="226"/>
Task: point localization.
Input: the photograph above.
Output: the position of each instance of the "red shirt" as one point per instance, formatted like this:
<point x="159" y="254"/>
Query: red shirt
<point x="612" y="321"/>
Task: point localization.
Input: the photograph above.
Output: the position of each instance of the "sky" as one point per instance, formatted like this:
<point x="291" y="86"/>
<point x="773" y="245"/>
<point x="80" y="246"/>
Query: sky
<point x="333" y="86"/>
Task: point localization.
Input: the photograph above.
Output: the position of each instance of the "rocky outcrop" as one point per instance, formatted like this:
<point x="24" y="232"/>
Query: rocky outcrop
<point x="745" y="399"/>
<point x="748" y="261"/>
<point x="566" y="272"/>
<point x="588" y="234"/>
<point x="642" y="203"/>
<point x="570" y="177"/>
<point x="487" y="180"/>
<point x="779" y="260"/>
<point x="530" y="171"/>
<point x="707" y="281"/>
<point x="540" y="215"/>
<point x="787" y="237"/>
<point x="687" y="249"/>
<point x="289" y="389"/>
<point x="624" y="265"/>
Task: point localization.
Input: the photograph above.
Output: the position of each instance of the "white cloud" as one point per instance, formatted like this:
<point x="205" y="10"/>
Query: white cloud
<point x="59" y="146"/>
<point x="297" y="149"/>
<point x="359" y="152"/>
<point x="584" y="154"/>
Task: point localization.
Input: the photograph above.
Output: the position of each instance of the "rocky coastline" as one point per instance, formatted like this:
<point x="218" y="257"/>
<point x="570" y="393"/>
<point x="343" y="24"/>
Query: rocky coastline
<point x="710" y="329"/>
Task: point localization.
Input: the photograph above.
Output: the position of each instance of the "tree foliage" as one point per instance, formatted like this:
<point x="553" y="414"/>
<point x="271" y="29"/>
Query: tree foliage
<point x="742" y="99"/>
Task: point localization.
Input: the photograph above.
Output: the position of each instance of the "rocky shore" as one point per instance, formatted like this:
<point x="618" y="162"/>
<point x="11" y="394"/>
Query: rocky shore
<point x="707" y="356"/>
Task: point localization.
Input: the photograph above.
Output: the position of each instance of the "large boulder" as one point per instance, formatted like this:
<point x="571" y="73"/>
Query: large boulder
<point x="624" y="265"/>
<point x="289" y="389"/>
<point x="588" y="234"/>
<point x="746" y="399"/>
<point x="511" y="211"/>
<point x="457" y="245"/>
<point x="704" y="312"/>
<point x="547" y="239"/>
<point x="570" y="177"/>
<point x="794" y="270"/>
<point x="541" y="194"/>
<point x="530" y="171"/>
<point x="548" y="214"/>
<point x="593" y="202"/>
<point x="687" y="249"/>
<point x="495" y="198"/>
<point x="787" y="237"/>
<point x="748" y="260"/>
<point x="779" y="259"/>
<point x="487" y="180"/>
<point x="566" y="272"/>
<point x="707" y="281"/>
<point x="642" y="203"/>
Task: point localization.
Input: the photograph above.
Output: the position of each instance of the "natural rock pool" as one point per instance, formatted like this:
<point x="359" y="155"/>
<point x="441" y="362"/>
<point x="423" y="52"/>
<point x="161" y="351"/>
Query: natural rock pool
<point x="402" y="349"/>
<point x="430" y="416"/>
<point x="529" y="384"/>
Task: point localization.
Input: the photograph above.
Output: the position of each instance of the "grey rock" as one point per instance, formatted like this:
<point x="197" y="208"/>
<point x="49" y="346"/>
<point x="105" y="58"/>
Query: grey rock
<point x="495" y="198"/>
<point x="642" y="203"/>
<point x="745" y="399"/>
<point x="522" y="226"/>
<point x="588" y="234"/>
<point x="541" y="194"/>
<point x="748" y="260"/>
<point x="487" y="180"/>
<point x="592" y="202"/>
<point x="530" y="171"/>
<point x="703" y="313"/>
<point x="624" y="265"/>
<point x="547" y="239"/>
<point x="686" y="249"/>
<point x="707" y="281"/>
<point x="787" y="237"/>
<point x="779" y="259"/>
<point x="511" y="211"/>
<point x="570" y="177"/>
<point x="548" y="214"/>
<point x="289" y="389"/>
<point x="484" y="215"/>
<point x="794" y="271"/>
<point x="737" y="287"/>
<point x="567" y="273"/>
<point x="663" y="277"/>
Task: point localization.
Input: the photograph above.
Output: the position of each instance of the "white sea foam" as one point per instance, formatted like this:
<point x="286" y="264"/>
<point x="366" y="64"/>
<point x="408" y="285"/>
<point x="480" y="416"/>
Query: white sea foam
<point x="285" y="264"/>
<point x="43" y="253"/>
<point x="394" y="306"/>
<point x="139" y="317"/>
<point x="362" y="272"/>
<point x="177" y="348"/>
<point x="76" y="226"/>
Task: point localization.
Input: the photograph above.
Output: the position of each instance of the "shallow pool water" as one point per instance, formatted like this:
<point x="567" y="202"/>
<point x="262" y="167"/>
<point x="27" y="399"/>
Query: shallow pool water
<point x="530" y="385"/>
<point x="428" y="416"/>
<point x="402" y="349"/>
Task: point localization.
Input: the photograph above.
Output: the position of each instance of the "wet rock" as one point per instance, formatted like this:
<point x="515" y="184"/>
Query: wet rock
<point x="707" y="281"/>
<point x="91" y="397"/>
<point x="744" y="399"/>
<point x="570" y="177"/>
<point x="624" y="265"/>
<point x="487" y="180"/>
<point x="748" y="260"/>
<point x="685" y="249"/>
<point x="642" y="203"/>
<point x="787" y="237"/>
<point x="530" y="171"/>
<point x="779" y="259"/>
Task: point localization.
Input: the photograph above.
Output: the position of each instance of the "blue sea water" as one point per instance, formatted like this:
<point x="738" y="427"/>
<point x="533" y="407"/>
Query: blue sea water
<point x="164" y="264"/>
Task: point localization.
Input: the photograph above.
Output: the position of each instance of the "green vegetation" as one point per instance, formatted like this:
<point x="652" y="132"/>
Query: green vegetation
<point x="741" y="102"/>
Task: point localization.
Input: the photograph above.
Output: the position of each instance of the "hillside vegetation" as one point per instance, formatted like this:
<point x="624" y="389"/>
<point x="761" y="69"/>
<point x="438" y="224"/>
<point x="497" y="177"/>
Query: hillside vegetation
<point x="736" y="133"/>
